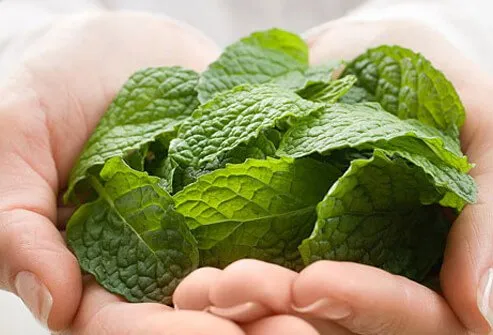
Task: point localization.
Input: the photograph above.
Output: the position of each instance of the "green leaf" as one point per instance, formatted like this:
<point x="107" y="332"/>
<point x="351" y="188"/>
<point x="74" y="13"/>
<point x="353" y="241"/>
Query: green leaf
<point x="260" y="147"/>
<point x="136" y="158"/>
<point x="457" y="188"/>
<point x="368" y="126"/>
<point x="159" y="164"/>
<point x="315" y="75"/>
<point x="262" y="57"/>
<point x="132" y="239"/>
<point x="329" y="92"/>
<point x="323" y="73"/>
<point x="151" y="103"/>
<point x="407" y="85"/>
<point x="166" y="170"/>
<point x="232" y="119"/>
<point x="355" y="95"/>
<point x="260" y="209"/>
<point x="380" y="213"/>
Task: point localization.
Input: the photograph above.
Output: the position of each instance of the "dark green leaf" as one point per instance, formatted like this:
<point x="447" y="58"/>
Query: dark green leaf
<point x="132" y="239"/>
<point x="381" y="213"/>
<point x="260" y="209"/>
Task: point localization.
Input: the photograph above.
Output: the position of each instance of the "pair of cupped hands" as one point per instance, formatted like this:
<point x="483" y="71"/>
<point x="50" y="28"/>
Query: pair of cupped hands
<point x="53" y="100"/>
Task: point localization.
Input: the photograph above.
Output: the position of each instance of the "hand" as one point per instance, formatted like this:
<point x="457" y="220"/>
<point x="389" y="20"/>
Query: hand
<point x="469" y="254"/>
<point x="348" y="298"/>
<point x="48" y="108"/>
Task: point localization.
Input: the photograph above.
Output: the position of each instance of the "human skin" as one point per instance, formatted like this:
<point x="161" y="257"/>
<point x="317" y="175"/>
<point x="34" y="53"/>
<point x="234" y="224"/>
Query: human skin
<point x="348" y="298"/>
<point x="55" y="98"/>
<point x="49" y="105"/>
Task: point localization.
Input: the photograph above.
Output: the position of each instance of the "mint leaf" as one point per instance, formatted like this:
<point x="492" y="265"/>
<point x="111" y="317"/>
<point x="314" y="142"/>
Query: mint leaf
<point x="407" y="85"/>
<point x="355" y="95"/>
<point x="159" y="164"/>
<point x="380" y="213"/>
<point x="329" y="92"/>
<point x="368" y="126"/>
<point x="323" y="73"/>
<point x="457" y="188"/>
<point x="260" y="147"/>
<point x="262" y="57"/>
<point x="260" y="209"/>
<point x="136" y="159"/>
<point x="132" y="239"/>
<point x="318" y="74"/>
<point x="232" y="119"/>
<point x="151" y="103"/>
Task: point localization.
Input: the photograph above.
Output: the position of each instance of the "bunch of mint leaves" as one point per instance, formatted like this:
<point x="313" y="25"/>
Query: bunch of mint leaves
<point x="262" y="156"/>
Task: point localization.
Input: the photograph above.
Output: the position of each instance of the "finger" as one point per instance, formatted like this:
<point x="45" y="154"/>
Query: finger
<point x="193" y="292"/>
<point x="249" y="289"/>
<point x="467" y="274"/>
<point x="34" y="261"/>
<point x="469" y="253"/>
<point x="103" y="313"/>
<point x="326" y="327"/>
<point x="369" y="301"/>
<point x="280" y="324"/>
<point x="36" y="265"/>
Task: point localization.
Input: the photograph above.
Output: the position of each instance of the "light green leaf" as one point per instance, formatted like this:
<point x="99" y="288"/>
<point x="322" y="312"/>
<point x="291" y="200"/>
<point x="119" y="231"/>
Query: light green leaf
<point x="151" y="103"/>
<point x="232" y="119"/>
<point x="329" y="92"/>
<point x="132" y="239"/>
<point x="315" y="75"/>
<point x="368" y="126"/>
<point x="262" y="57"/>
<point x="323" y="73"/>
<point x="260" y="209"/>
<point x="380" y="213"/>
<point x="407" y="85"/>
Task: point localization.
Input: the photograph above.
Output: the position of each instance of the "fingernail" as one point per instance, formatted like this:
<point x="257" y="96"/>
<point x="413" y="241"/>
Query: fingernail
<point x="485" y="296"/>
<point x="325" y="309"/>
<point x="242" y="313"/>
<point x="35" y="295"/>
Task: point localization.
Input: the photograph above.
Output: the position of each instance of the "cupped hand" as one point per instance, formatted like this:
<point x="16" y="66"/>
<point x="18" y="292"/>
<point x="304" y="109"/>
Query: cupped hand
<point x="466" y="276"/>
<point x="48" y="108"/>
<point x="348" y="298"/>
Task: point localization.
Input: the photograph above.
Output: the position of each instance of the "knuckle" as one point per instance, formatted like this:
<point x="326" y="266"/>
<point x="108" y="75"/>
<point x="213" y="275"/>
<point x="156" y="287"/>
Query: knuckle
<point x="315" y="270"/>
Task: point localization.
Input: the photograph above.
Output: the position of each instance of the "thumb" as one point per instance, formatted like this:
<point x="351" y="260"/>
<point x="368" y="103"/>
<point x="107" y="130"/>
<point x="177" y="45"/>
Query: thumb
<point x="34" y="261"/>
<point x="467" y="274"/>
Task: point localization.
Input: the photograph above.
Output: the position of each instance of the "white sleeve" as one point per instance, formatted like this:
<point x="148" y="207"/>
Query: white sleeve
<point x="22" y="21"/>
<point x="466" y="24"/>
